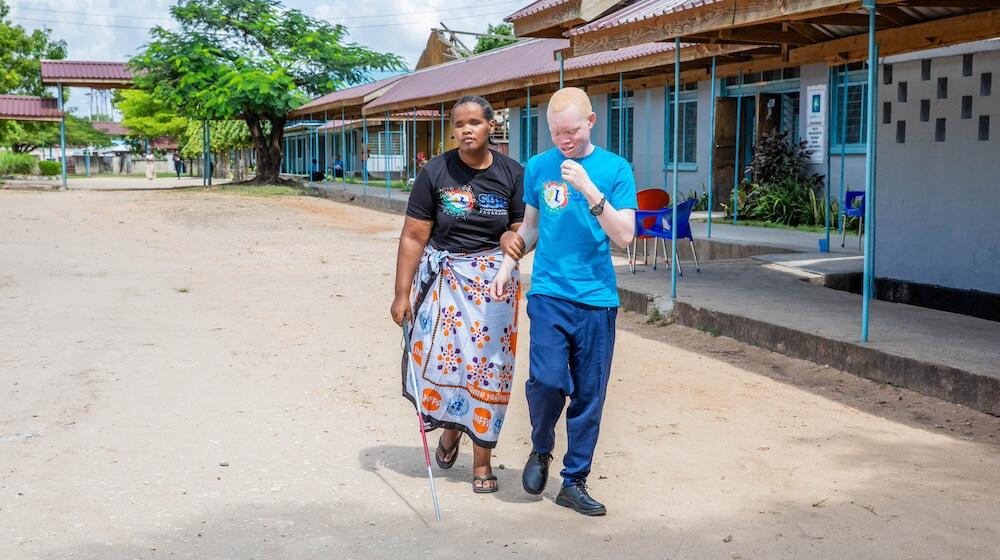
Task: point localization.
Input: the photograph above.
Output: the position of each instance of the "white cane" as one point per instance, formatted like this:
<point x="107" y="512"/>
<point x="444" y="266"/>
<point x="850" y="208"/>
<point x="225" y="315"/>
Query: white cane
<point x="417" y="398"/>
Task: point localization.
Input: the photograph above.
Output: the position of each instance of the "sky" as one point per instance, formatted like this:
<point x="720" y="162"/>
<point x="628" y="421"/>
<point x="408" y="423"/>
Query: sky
<point x="114" y="30"/>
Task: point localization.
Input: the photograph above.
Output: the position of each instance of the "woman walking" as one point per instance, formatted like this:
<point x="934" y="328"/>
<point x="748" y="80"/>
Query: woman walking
<point x="462" y="216"/>
<point x="150" y="167"/>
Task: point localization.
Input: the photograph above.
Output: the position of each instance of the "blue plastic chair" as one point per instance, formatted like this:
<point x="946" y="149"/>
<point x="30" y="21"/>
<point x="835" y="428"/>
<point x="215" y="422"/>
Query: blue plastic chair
<point x="849" y="211"/>
<point x="660" y="230"/>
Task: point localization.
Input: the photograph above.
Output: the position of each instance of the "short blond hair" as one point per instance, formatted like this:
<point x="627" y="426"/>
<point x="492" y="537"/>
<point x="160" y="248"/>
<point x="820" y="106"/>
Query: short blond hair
<point x="571" y="97"/>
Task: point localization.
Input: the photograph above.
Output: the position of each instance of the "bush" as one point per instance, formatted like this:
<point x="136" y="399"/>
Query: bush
<point x="779" y="190"/>
<point x="49" y="168"/>
<point x="16" y="164"/>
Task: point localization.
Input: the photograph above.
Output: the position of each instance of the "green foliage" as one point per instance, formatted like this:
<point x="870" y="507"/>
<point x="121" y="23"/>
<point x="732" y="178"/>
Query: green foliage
<point x="49" y="168"/>
<point x="147" y="117"/>
<point x="226" y="135"/>
<point x="484" y="44"/>
<point x="702" y="198"/>
<point x="16" y="164"/>
<point x="21" y="54"/>
<point x="780" y="190"/>
<point x="250" y="59"/>
<point x="26" y="136"/>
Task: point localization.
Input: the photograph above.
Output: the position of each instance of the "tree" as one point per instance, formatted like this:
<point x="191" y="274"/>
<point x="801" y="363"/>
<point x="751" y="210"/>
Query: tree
<point x="253" y="60"/>
<point x="147" y="117"/>
<point x="21" y="54"/>
<point x="484" y="44"/>
<point x="24" y="137"/>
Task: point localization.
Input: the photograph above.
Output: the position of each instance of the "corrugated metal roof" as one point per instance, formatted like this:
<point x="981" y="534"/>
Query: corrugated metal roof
<point x="518" y="61"/>
<point x="26" y="107"/>
<point x="110" y="128"/>
<point x="534" y="8"/>
<point x="351" y="93"/>
<point x="54" y="70"/>
<point x="641" y="11"/>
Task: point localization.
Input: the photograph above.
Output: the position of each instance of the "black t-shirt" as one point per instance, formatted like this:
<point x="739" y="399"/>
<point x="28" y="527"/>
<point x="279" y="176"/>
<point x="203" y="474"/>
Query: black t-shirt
<point x="470" y="208"/>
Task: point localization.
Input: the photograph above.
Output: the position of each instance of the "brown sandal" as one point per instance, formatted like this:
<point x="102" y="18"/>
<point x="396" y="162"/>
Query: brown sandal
<point x="482" y="488"/>
<point x="442" y="452"/>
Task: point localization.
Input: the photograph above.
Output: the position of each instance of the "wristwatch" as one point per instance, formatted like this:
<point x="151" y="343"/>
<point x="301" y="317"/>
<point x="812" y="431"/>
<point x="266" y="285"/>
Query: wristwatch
<point x="598" y="208"/>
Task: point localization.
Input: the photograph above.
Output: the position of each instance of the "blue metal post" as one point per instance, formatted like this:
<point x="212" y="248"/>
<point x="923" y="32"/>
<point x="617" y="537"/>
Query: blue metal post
<point x="843" y="147"/>
<point x="430" y="149"/>
<point x="562" y="69"/>
<point x="62" y="135"/>
<point x="676" y="159"/>
<point x="208" y="149"/>
<point x="364" y="152"/>
<point x="413" y="148"/>
<point x="739" y="133"/>
<point x="869" y="169"/>
<point x="829" y="165"/>
<point x="666" y="138"/>
<point x="326" y="145"/>
<point x="870" y="232"/>
<point x="343" y="146"/>
<point x="621" y="116"/>
<point x="443" y="144"/>
<point x="386" y="155"/>
<point x="711" y="151"/>
<point x="86" y="160"/>
<point x="528" y="133"/>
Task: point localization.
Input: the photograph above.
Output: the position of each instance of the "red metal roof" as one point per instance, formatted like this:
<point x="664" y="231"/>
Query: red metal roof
<point x="640" y="11"/>
<point x="534" y="8"/>
<point x="110" y="128"/>
<point x="351" y="93"/>
<point x="514" y="62"/>
<point x="69" y="71"/>
<point x="28" y="108"/>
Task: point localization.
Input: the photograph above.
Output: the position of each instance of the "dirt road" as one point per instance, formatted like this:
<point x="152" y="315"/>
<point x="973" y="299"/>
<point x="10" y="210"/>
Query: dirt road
<point x="192" y="375"/>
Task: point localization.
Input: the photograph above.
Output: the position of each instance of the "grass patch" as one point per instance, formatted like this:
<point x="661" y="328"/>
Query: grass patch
<point x="374" y="183"/>
<point x="183" y="290"/>
<point x="249" y="190"/>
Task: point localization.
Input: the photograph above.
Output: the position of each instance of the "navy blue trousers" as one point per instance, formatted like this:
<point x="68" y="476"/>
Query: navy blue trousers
<point x="571" y="349"/>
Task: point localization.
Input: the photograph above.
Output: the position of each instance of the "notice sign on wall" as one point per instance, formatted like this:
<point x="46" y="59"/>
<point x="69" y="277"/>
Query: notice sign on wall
<point x="816" y="124"/>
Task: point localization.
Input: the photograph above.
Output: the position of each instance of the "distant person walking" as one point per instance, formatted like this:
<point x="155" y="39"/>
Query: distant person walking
<point x="150" y="167"/>
<point x="178" y="165"/>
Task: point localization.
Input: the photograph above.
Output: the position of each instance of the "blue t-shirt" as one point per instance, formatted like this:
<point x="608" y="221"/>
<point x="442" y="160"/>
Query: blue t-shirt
<point x="573" y="256"/>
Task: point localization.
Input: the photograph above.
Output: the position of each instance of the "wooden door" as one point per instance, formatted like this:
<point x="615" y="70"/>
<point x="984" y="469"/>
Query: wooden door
<point x="724" y="158"/>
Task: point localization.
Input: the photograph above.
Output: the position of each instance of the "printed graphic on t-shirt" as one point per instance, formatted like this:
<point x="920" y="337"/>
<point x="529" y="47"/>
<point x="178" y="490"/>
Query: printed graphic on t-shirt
<point x="492" y="205"/>
<point x="458" y="202"/>
<point x="556" y="195"/>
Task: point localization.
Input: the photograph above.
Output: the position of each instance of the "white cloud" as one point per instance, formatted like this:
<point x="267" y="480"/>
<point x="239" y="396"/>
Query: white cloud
<point x="114" y="31"/>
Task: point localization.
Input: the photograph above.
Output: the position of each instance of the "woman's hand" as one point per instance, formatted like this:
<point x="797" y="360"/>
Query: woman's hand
<point x="512" y="245"/>
<point x="400" y="310"/>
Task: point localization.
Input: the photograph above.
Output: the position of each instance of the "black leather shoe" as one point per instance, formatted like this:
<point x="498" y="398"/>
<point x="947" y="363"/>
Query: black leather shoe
<point x="575" y="497"/>
<point x="536" y="472"/>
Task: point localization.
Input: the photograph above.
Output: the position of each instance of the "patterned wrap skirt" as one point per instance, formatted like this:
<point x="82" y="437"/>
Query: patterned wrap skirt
<point x="462" y="343"/>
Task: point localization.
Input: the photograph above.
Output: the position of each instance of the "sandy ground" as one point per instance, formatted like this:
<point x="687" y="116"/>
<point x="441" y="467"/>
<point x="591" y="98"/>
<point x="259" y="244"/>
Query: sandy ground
<point x="193" y="375"/>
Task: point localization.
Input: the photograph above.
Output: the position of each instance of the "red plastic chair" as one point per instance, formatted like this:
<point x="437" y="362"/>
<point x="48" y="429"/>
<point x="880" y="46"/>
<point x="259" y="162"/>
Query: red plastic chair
<point x="649" y="199"/>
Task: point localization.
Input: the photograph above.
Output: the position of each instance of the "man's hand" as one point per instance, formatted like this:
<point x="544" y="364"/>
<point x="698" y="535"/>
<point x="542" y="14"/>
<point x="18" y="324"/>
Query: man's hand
<point x="498" y="287"/>
<point x="576" y="176"/>
<point x="400" y="310"/>
<point x="512" y="245"/>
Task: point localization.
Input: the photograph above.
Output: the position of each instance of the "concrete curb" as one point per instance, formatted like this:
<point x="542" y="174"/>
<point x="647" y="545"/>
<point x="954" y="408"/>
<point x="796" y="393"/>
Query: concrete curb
<point x="943" y="382"/>
<point x="397" y="206"/>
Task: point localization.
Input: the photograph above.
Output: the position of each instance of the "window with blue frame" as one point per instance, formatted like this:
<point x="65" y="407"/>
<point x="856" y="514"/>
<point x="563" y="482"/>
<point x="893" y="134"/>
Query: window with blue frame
<point x="528" y="151"/>
<point x="614" y="130"/>
<point x="688" y="128"/>
<point x="853" y="134"/>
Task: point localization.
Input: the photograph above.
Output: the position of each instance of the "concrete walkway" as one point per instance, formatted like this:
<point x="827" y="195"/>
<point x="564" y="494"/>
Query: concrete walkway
<point x="946" y="355"/>
<point x="112" y="183"/>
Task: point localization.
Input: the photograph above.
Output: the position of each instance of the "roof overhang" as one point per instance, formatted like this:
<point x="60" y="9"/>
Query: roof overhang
<point x="805" y="30"/>
<point x="97" y="75"/>
<point x="552" y="19"/>
<point x="29" y="108"/>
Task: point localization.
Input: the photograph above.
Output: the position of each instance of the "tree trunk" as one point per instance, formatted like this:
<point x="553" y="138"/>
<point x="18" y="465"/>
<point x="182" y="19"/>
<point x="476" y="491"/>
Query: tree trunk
<point x="267" y="147"/>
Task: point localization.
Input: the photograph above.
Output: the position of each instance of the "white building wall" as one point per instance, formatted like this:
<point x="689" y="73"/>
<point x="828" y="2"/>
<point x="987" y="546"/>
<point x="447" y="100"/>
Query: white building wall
<point x="938" y="201"/>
